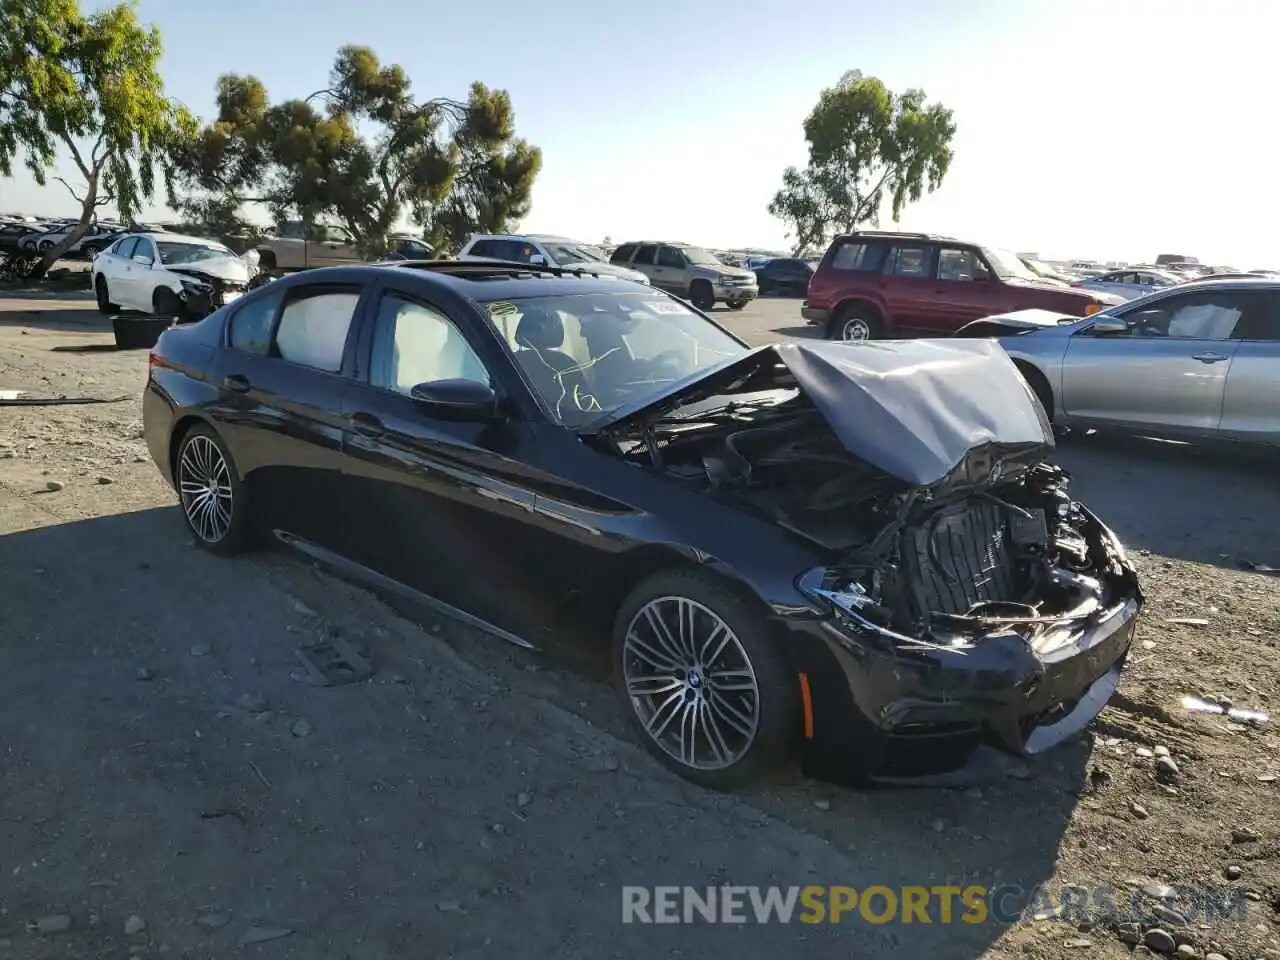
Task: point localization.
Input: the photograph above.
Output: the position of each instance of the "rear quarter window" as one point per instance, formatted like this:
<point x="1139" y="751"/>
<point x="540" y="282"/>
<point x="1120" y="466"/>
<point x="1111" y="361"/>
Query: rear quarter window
<point x="858" y="256"/>
<point x="623" y="253"/>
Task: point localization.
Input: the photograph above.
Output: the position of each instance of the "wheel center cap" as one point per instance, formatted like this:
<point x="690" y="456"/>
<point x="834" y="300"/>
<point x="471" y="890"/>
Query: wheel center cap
<point x="695" y="679"/>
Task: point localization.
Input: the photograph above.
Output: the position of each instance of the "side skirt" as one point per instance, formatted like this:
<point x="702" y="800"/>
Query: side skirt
<point x="349" y="569"/>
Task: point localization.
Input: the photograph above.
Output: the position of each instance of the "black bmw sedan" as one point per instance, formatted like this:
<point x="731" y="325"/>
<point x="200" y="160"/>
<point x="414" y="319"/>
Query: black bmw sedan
<point x="857" y="553"/>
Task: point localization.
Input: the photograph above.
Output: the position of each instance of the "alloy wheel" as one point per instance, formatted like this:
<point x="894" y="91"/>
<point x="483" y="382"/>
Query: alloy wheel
<point x="691" y="683"/>
<point x="855" y="329"/>
<point x="204" y="484"/>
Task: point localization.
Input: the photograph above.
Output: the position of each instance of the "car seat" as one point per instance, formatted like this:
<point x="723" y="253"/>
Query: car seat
<point x="553" y="373"/>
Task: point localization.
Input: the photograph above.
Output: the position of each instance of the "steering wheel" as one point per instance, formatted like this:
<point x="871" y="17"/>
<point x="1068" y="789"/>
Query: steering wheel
<point x="671" y="359"/>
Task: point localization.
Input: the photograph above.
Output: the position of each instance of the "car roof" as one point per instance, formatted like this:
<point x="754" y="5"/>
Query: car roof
<point x="178" y="237"/>
<point x="483" y="281"/>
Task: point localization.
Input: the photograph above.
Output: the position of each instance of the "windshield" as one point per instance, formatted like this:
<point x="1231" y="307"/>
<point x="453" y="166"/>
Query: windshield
<point x="172" y="252"/>
<point x="698" y="255"/>
<point x="1008" y="265"/>
<point x="586" y="355"/>
<point x="569" y="253"/>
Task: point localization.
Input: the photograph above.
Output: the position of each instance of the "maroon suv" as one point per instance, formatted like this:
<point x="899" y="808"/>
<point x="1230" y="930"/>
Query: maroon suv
<point x="874" y="284"/>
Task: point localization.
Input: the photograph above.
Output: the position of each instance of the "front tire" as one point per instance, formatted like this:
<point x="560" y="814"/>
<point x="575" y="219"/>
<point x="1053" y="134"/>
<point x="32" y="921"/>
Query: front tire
<point x="701" y="682"/>
<point x="702" y="295"/>
<point x="211" y="493"/>
<point x="165" y="303"/>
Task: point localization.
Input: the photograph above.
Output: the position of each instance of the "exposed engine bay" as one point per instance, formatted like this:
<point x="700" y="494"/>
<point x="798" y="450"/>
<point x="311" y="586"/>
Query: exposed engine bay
<point x="995" y="545"/>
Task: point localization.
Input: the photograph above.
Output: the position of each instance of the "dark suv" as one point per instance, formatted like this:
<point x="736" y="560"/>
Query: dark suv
<point x="876" y="284"/>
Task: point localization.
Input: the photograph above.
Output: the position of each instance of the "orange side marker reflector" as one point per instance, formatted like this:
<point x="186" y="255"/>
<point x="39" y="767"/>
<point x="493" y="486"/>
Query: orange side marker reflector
<point x="806" y="702"/>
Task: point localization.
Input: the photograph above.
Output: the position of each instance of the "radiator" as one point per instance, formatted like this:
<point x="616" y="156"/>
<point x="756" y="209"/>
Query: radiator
<point x="960" y="556"/>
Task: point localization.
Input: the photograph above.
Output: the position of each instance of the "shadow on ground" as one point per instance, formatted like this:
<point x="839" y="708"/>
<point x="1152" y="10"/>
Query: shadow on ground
<point x="1207" y="504"/>
<point x="164" y="759"/>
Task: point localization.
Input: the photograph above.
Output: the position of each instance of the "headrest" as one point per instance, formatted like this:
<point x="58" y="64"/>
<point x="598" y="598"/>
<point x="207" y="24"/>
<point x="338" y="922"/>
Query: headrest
<point x="540" y="329"/>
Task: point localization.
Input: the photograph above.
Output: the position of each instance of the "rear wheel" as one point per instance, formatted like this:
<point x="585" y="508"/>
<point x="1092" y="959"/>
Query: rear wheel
<point x="103" y="296"/>
<point x="703" y="686"/>
<point x="854" y="324"/>
<point x="737" y="304"/>
<point x="702" y="295"/>
<point x="212" y="495"/>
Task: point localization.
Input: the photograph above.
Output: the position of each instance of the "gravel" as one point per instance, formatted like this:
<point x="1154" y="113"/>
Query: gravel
<point x="360" y="839"/>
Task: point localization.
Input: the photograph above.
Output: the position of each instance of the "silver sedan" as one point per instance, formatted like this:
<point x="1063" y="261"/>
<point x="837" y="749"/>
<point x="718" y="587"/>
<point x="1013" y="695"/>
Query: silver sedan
<point x="1200" y="360"/>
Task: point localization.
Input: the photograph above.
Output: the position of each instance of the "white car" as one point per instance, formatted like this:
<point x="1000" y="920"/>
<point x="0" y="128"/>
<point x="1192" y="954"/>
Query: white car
<point x="548" y="251"/>
<point x="1130" y="283"/>
<point x="168" y="275"/>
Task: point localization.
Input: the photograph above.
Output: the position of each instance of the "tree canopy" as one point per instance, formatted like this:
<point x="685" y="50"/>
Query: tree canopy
<point x="89" y="85"/>
<point x="362" y="151"/>
<point x="867" y="145"/>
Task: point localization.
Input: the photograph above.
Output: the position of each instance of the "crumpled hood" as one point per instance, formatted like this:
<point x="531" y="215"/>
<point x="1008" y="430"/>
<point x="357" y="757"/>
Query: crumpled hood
<point x="224" y="268"/>
<point x="916" y="409"/>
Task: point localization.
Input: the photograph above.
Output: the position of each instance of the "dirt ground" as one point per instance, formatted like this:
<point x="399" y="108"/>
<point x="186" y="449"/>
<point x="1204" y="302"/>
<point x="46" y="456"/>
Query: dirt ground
<point x="172" y="786"/>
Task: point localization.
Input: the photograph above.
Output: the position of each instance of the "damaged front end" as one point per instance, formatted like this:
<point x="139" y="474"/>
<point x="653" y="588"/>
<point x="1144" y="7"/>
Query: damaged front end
<point x="203" y="293"/>
<point x="966" y="596"/>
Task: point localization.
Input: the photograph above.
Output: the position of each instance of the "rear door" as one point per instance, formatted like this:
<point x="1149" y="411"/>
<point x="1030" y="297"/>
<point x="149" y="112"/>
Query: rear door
<point x="335" y="246"/>
<point x="670" y="270"/>
<point x="910" y="289"/>
<point x="646" y="261"/>
<point x="1168" y="371"/>
<point x="1251" y="405"/>
<point x="283" y="384"/>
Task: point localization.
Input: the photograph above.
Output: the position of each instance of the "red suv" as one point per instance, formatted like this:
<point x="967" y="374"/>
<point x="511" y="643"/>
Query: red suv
<point x="875" y="284"/>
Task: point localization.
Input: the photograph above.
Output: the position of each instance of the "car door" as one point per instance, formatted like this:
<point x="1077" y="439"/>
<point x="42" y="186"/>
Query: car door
<point x="1117" y="282"/>
<point x="443" y="500"/>
<point x="670" y="270"/>
<point x="282" y="383"/>
<point x="111" y="266"/>
<point x="336" y="246"/>
<point x="962" y="288"/>
<point x="646" y="261"/>
<point x="1168" y="370"/>
<point x="909" y="288"/>
<point x="1251" y="403"/>
<point x="140" y="277"/>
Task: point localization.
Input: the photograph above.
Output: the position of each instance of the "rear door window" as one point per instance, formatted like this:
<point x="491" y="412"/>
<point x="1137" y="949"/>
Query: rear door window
<point x="125" y="247"/>
<point x="646" y="255"/>
<point x="909" y="261"/>
<point x="314" y="326"/>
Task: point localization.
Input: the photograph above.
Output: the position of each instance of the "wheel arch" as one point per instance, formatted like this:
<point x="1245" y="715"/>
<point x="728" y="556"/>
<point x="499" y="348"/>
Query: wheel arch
<point x="181" y="427"/>
<point x="1040" y="384"/>
<point x="599" y="602"/>
<point x="861" y="302"/>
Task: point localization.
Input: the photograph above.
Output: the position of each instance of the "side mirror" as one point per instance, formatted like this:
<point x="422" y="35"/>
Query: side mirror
<point x="143" y="261"/>
<point x="1109" y="328"/>
<point x="466" y="398"/>
<point x="538" y="260"/>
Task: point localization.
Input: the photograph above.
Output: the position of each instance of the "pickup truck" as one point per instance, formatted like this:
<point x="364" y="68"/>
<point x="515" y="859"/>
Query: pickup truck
<point x="297" y="248"/>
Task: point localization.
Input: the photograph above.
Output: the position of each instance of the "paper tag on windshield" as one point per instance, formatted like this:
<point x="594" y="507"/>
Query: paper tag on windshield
<point x="665" y="308"/>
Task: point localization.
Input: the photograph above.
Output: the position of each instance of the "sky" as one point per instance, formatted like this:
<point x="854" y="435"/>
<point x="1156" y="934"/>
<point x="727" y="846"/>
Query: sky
<point x="1108" y="130"/>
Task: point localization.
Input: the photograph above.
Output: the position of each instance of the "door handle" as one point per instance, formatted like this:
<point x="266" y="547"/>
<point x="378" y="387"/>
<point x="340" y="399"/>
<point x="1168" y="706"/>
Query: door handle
<point x="1208" y="357"/>
<point x="237" y="383"/>
<point x="367" y="425"/>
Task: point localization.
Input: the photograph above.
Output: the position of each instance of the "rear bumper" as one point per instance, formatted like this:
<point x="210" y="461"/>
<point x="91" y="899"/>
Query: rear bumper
<point x="814" y="314"/>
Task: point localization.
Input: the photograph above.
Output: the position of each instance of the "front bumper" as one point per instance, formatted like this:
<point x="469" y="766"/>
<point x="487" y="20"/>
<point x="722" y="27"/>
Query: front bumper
<point x="207" y="296"/>
<point x="735" y="293"/>
<point x="814" y="314"/>
<point x="881" y="713"/>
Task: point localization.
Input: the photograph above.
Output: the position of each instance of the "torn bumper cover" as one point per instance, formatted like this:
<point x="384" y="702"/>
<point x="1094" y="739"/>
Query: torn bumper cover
<point x="202" y="293"/>
<point x="895" y="706"/>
